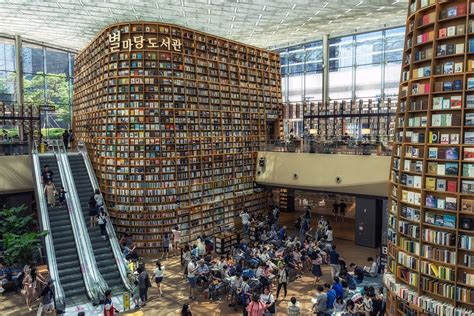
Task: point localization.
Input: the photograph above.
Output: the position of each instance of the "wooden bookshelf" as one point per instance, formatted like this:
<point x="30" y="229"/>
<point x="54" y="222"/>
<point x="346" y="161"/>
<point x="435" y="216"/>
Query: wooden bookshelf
<point x="172" y="119"/>
<point x="430" y="178"/>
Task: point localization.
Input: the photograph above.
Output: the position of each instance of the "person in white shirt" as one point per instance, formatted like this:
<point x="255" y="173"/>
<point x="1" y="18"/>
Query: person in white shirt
<point x="192" y="268"/>
<point x="269" y="300"/>
<point x="371" y="271"/>
<point x="158" y="275"/>
<point x="293" y="307"/>
<point x="176" y="239"/>
<point x="245" y="221"/>
<point x="329" y="235"/>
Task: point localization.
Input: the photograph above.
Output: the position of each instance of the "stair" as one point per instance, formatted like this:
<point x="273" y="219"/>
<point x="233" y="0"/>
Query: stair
<point x="69" y="267"/>
<point x="102" y="249"/>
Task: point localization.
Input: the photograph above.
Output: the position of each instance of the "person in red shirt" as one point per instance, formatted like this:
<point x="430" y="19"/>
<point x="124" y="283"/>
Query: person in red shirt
<point x="109" y="309"/>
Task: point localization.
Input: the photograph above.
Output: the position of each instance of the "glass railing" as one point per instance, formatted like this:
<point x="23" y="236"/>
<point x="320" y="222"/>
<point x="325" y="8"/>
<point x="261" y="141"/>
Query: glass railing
<point x="13" y="147"/>
<point x="48" y="239"/>
<point x="346" y="147"/>
<point x="114" y="243"/>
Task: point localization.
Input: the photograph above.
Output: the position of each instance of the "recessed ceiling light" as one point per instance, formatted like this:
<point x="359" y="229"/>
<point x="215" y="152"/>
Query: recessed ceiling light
<point x="294" y="6"/>
<point x="235" y="10"/>
<point x="209" y="11"/>
<point x="287" y="14"/>
<point x="348" y="10"/>
<point x="264" y="8"/>
<point x="359" y="3"/>
<point x="233" y="18"/>
<point x="317" y="12"/>
<point x="325" y="4"/>
<point x="259" y="16"/>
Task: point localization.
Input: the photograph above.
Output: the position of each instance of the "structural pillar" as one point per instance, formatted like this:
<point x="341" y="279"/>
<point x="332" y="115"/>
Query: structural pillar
<point x="19" y="87"/>
<point x="325" y="68"/>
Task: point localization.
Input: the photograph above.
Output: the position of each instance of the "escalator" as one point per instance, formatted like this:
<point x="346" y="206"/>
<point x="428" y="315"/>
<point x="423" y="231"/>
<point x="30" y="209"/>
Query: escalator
<point x="102" y="249"/>
<point x="66" y="253"/>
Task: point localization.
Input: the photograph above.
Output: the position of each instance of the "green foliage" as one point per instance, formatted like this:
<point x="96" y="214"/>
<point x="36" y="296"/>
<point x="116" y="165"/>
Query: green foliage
<point x="19" y="241"/>
<point x="52" y="132"/>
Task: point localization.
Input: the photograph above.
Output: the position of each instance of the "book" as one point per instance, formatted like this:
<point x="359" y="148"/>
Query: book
<point x="447" y="86"/>
<point x="450" y="49"/>
<point x="469" y="137"/>
<point x="446" y="104"/>
<point x="468" y="154"/>
<point x="451" y="31"/>
<point x="470" y="83"/>
<point x="430" y="217"/>
<point x="439" y="219"/>
<point x="448" y="68"/>
<point x="432" y="153"/>
<point x="449" y="220"/>
<point x="457" y="85"/>
<point x="452" y="153"/>
<point x="451" y="186"/>
<point x="430" y="201"/>
<point x="458" y="67"/>
<point x="441" y="170"/>
<point x="444" y="139"/>
<point x="434" y="137"/>
<point x="460" y="29"/>
<point x="451" y="169"/>
<point x="430" y="183"/>
<point x="432" y="169"/>
<point x="467" y="206"/>
<point x="459" y="48"/>
<point x="443" y="32"/>
<point x="451" y="12"/>
<point x="441" y="185"/>
<point x="467" y="186"/>
<point x="441" y="204"/>
<point x="456" y="101"/>
<point x="437" y="103"/>
<point x="468" y="170"/>
<point x="469" y="119"/>
<point x="441" y="51"/>
<point x="454" y="138"/>
<point x="451" y="203"/>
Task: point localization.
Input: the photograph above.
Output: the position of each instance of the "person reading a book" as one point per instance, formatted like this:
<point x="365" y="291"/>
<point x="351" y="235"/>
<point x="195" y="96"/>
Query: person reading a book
<point x="371" y="270"/>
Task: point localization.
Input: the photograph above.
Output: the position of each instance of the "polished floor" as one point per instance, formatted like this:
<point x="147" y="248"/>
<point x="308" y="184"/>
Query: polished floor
<point x="175" y="289"/>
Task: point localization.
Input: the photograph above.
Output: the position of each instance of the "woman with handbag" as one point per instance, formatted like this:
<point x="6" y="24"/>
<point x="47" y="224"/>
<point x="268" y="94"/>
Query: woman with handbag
<point x="102" y="221"/>
<point x="50" y="192"/>
<point x="268" y="299"/>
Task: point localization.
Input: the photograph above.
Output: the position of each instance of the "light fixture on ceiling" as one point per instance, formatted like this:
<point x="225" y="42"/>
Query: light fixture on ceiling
<point x="395" y="2"/>
<point x="182" y="3"/>
<point x="348" y="10"/>
<point x="309" y="19"/>
<point x="294" y="6"/>
<point x="259" y="16"/>
<point x="233" y="18"/>
<point x="209" y="2"/>
<point x="380" y="9"/>
<point x="232" y="26"/>
<point x="209" y="11"/>
<point x="317" y="12"/>
<point x="235" y="10"/>
<point x="256" y="23"/>
<point x="184" y="13"/>
<point x="325" y="5"/>
<point x="360" y="2"/>
<point x="264" y="8"/>
<point x="287" y="14"/>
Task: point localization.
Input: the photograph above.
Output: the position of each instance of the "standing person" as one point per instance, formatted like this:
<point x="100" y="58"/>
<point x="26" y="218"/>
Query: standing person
<point x="176" y="239"/>
<point x="245" y="221"/>
<point x="334" y="262"/>
<point x="342" y="211"/>
<point x="71" y="139"/>
<point x="50" y="192"/>
<point x="98" y="198"/>
<point x="109" y="309"/>
<point x="158" y="275"/>
<point x="331" y="295"/>
<point x="335" y="210"/>
<point x="337" y="286"/>
<point x="293" y="307"/>
<point x="256" y="307"/>
<point x="136" y="294"/>
<point x="102" y="221"/>
<point x="329" y="234"/>
<point x="47" y="299"/>
<point x="92" y="211"/>
<point x="316" y="268"/>
<point x="62" y="196"/>
<point x="47" y="175"/>
<point x="29" y="285"/>
<point x="192" y="279"/>
<point x="66" y="139"/>
<point x="283" y="278"/>
<point x="186" y="259"/>
<point x="166" y="246"/>
<point x="143" y="284"/>
<point x="268" y="299"/>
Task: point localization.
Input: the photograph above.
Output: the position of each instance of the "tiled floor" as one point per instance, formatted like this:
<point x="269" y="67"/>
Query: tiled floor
<point x="175" y="288"/>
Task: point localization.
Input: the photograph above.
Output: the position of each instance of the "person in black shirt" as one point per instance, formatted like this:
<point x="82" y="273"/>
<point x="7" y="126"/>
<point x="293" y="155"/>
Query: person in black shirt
<point x="342" y="210"/>
<point x="62" y="195"/>
<point x="335" y="210"/>
<point x="66" y="139"/>
<point x="358" y="272"/>
<point x="47" y="175"/>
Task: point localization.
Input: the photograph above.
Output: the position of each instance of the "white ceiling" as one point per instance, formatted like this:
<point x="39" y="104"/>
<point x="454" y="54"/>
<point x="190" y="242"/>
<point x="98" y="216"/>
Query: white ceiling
<point x="73" y="23"/>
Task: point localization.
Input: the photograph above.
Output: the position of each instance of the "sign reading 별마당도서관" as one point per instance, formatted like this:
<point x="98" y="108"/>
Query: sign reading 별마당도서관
<point x="139" y="42"/>
<point x="47" y="108"/>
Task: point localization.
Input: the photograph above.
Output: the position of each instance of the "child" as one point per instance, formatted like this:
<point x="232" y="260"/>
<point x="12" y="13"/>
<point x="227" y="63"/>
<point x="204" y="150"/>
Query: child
<point x="136" y="295"/>
<point x="62" y="196"/>
<point x="109" y="308"/>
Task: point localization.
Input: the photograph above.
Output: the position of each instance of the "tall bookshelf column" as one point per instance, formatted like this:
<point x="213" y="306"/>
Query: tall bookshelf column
<point x="172" y="119"/>
<point x="431" y="197"/>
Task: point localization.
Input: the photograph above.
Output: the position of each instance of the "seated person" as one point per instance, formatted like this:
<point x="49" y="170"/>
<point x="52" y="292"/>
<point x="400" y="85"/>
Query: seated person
<point x="215" y="284"/>
<point x="371" y="270"/>
<point x="229" y="260"/>
<point x="202" y="273"/>
<point x="358" y="272"/>
<point x="4" y="276"/>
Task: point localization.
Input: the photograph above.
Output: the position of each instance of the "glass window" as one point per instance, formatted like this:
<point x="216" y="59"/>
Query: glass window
<point x="33" y="59"/>
<point x="283" y="58"/>
<point x="33" y="89"/>
<point x="313" y="86"/>
<point x="296" y="55"/>
<point x="368" y="81"/>
<point x="7" y="54"/>
<point x="57" y="62"/>
<point x="7" y="86"/>
<point x="340" y="83"/>
<point x="340" y="52"/>
<point x="369" y="48"/>
<point x="295" y="88"/>
<point x="394" y="41"/>
<point x="392" y="79"/>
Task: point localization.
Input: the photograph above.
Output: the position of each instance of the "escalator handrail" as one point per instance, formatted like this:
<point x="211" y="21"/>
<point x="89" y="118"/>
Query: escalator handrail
<point x="88" y="267"/>
<point x="119" y="258"/>
<point x="59" y="296"/>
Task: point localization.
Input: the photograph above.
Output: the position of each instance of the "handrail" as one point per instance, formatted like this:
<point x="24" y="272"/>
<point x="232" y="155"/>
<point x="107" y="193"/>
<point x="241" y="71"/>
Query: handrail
<point x="119" y="258"/>
<point x="94" y="287"/>
<point x="48" y="239"/>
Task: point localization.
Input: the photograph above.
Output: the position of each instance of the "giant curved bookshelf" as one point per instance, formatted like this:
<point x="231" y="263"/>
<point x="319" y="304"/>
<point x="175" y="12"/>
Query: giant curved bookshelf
<point x="172" y="119"/>
<point x="431" y="198"/>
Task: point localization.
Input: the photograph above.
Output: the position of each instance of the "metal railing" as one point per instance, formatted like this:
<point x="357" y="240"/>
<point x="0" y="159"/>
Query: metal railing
<point x="93" y="281"/>
<point x="345" y="147"/>
<point x="13" y="148"/>
<point x="45" y="224"/>
<point x="114" y="243"/>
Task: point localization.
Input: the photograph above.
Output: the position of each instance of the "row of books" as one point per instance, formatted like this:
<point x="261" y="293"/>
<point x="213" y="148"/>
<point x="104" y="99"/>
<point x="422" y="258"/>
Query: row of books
<point x="449" y="102"/>
<point x="446" y="85"/>
<point x="409" y="245"/>
<point x="466" y="242"/>
<point x="411" y="197"/>
<point x="424" y="37"/>
<point x="452" y="11"/>
<point x="444" y="153"/>
<point x="440" y="272"/>
<point x="467" y="186"/>
<point x="417" y="121"/>
<point x="407" y="275"/>
<point x="407" y="260"/>
<point x="439" y="237"/>
<point x="410" y="213"/>
<point x="450" y="49"/>
<point x="442" y="168"/>
<point x="468" y="260"/>
<point x="409" y="229"/>
<point x="442" y="255"/>
<point x="410" y="181"/>
<point x="421" y="72"/>
<point x="468" y="170"/>
<point x="452" y="30"/>
<point x="441" y="203"/>
<point x="438" y="287"/>
<point x="465" y="295"/>
<point x="468" y="278"/>
<point x="426" y="303"/>
<point x="443" y="138"/>
<point x="442" y="220"/>
<point x="441" y="185"/>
